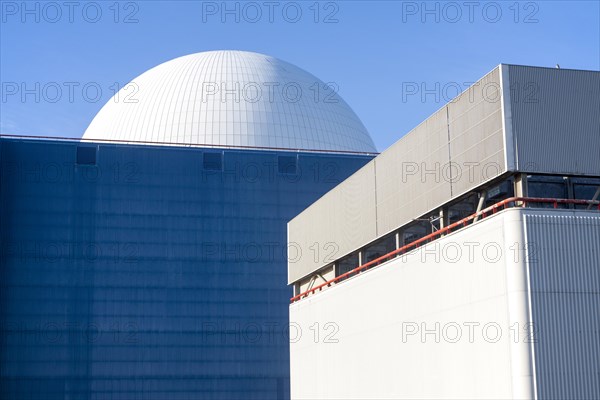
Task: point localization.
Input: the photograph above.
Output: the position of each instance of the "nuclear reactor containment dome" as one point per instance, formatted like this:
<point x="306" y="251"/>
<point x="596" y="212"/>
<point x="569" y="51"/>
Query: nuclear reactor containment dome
<point x="231" y="98"/>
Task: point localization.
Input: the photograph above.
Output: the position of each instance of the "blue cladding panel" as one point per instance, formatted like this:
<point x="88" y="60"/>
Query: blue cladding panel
<point x="146" y="276"/>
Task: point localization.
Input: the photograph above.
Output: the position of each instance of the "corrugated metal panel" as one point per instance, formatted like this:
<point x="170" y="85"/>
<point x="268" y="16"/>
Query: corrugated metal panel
<point x="410" y="175"/>
<point x="556" y="120"/>
<point x="564" y="265"/>
<point x="146" y="275"/>
<point x="330" y="229"/>
<point x="476" y="134"/>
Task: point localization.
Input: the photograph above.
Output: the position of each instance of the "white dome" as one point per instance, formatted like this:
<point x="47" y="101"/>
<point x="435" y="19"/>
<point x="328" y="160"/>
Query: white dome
<point x="231" y="98"/>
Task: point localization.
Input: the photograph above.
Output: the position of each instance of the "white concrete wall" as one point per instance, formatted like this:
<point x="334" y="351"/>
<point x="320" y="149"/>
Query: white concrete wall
<point x="464" y="281"/>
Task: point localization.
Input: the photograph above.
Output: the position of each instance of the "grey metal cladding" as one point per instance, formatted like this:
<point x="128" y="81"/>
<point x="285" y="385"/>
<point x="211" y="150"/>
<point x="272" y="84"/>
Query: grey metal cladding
<point x="555" y="120"/>
<point x="451" y="152"/>
<point x="332" y="227"/>
<point x="548" y="118"/>
<point x="562" y="260"/>
<point x="409" y="174"/>
<point x="476" y="135"/>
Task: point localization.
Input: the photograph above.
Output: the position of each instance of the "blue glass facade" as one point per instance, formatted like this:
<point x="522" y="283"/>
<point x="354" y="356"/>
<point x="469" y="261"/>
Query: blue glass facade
<point x="146" y="272"/>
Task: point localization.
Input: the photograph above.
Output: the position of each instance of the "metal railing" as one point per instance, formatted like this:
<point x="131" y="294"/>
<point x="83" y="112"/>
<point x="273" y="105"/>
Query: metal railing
<point x="478" y="216"/>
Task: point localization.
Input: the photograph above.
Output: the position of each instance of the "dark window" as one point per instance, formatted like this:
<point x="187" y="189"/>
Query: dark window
<point x="586" y="191"/>
<point x="346" y="264"/>
<point x="213" y="161"/>
<point x="463" y="209"/>
<point x="554" y="187"/>
<point x="287" y="165"/>
<point x="500" y="192"/>
<point x="86" y="155"/>
<point x="379" y="248"/>
<point x="416" y="232"/>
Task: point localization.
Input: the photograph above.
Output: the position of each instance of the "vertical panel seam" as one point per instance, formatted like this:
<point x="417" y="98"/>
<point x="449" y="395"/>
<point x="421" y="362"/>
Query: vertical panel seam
<point x="449" y="151"/>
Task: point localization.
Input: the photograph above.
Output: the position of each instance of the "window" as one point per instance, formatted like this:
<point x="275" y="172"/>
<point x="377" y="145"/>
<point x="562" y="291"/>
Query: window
<point x="585" y="189"/>
<point x="585" y="192"/>
<point x="500" y="192"/>
<point x="379" y="248"/>
<point x="416" y="231"/>
<point x="86" y="155"/>
<point x="287" y="165"/>
<point x="463" y="209"/>
<point x="213" y="161"/>
<point x="554" y="187"/>
<point x="346" y="264"/>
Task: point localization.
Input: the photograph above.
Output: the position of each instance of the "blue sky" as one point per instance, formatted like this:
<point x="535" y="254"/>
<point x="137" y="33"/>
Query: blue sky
<point x="370" y="49"/>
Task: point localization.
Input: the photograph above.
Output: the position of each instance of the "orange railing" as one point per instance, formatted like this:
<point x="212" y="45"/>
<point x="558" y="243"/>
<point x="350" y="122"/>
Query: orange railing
<point x="510" y="202"/>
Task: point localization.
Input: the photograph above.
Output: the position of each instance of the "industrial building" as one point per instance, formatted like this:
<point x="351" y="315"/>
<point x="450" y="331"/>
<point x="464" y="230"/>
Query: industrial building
<point x="464" y="260"/>
<point x="148" y="259"/>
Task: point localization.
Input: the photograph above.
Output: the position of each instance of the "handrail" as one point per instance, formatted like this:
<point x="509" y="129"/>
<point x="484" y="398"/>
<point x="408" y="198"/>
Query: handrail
<point x="218" y="146"/>
<point x="510" y="202"/>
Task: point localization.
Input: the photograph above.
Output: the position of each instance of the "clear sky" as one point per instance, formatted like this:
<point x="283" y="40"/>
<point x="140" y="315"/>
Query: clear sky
<point x="375" y="51"/>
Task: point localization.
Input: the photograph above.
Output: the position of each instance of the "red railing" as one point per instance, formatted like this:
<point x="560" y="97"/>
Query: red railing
<point x="510" y="202"/>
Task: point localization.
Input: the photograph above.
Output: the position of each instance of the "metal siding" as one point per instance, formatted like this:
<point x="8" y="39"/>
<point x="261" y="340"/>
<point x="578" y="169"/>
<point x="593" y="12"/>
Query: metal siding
<point x="565" y="291"/>
<point x="412" y="177"/>
<point x="556" y="120"/>
<point x="409" y="175"/>
<point x="166" y="264"/>
<point x="345" y="216"/>
<point x="476" y="135"/>
<point x="509" y="145"/>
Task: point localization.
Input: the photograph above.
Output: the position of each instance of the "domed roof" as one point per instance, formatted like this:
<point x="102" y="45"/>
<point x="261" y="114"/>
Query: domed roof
<point x="231" y="98"/>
